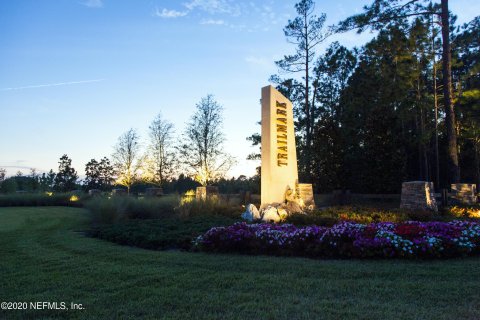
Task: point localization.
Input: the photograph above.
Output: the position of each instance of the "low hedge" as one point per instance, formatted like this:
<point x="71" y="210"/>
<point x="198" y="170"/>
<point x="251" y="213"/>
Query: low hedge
<point x="159" y="234"/>
<point x="41" y="199"/>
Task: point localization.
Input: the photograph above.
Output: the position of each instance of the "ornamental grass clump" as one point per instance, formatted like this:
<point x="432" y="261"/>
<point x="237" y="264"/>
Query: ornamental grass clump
<point x="410" y="239"/>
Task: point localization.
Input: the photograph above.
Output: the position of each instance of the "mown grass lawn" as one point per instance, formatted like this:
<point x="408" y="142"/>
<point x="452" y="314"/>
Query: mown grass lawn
<point x="45" y="257"/>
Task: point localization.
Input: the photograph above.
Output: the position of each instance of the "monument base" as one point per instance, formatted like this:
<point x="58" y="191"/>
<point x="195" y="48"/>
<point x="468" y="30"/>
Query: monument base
<point x="305" y="193"/>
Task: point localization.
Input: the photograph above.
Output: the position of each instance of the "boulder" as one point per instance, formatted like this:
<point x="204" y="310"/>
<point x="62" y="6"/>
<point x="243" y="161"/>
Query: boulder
<point x="251" y="213"/>
<point x="293" y="207"/>
<point x="270" y="214"/>
<point x="282" y="213"/>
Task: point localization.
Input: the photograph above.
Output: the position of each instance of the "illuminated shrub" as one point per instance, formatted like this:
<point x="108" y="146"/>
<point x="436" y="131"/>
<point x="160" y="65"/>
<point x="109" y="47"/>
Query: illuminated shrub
<point x="464" y="212"/>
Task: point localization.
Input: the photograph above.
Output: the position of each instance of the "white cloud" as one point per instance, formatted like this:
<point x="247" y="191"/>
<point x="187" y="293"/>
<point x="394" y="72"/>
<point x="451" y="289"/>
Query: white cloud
<point x="258" y="61"/>
<point x="93" y="3"/>
<point x="214" y="6"/>
<point x="165" y="13"/>
<point x="211" y="21"/>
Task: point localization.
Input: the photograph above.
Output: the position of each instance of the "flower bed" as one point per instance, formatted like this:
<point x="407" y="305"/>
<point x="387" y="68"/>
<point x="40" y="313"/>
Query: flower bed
<point x="348" y="239"/>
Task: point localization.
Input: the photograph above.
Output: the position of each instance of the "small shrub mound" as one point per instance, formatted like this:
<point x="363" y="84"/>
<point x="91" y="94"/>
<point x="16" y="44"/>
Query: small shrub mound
<point x="348" y="239"/>
<point x="158" y="234"/>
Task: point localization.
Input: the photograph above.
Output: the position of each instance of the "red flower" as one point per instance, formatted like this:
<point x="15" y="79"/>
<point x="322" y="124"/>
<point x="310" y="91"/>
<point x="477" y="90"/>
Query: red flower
<point x="409" y="230"/>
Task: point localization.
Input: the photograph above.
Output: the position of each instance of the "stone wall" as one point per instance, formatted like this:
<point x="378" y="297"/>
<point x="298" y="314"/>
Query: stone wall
<point x="418" y="195"/>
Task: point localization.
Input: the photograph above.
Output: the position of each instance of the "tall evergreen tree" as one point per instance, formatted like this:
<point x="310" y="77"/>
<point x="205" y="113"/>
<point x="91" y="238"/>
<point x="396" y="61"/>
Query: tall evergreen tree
<point x="332" y="72"/>
<point x="306" y="33"/>
<point x="384" y="13"/>
<point x="66" y="178"/>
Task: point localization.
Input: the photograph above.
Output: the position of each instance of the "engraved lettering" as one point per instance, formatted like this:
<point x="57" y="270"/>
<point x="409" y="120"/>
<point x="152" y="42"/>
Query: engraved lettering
<point x="281" y="163"/>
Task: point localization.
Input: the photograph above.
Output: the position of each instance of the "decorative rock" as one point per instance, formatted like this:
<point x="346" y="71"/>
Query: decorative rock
<point x="294" y="202"/>
<point x="270" y="214"/>
<point x="251" y="213"/>
<point x="282" y="213"/>
<point x="418" y="195"/>
<point x="293" y="207"/>
<point x="290" y="195"/>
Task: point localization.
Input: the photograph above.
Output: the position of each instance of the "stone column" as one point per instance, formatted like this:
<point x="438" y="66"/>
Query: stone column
<point x="208" y="192"/>
<point x="418" y="195"/>
<point x="465" y="192"/>
<point x="279" y="156"/>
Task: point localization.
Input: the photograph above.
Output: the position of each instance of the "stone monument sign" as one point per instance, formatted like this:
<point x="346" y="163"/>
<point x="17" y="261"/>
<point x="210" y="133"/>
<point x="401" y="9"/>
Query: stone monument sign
<point x="279" y="156"/>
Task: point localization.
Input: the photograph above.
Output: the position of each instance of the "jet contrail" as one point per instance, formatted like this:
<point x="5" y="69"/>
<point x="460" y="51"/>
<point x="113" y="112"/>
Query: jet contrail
<point x="51" y="85"/>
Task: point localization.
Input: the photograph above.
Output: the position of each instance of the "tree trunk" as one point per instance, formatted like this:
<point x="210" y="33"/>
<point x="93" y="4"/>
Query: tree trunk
<point x="435" y="103"/>
<point x="453" y="168"/>
<point x="477" y="165"/>
<point x="308" y="135"/>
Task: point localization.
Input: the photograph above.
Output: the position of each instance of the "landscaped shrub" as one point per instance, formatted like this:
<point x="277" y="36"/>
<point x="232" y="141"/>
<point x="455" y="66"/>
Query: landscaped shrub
<point x="332" y="215"/>
<point x="41" y="199"/>
<point x="212" y="206"/>
<point x="348" y="239"/>
<point x="159" y="234"/>
<point x="120" y="208"/>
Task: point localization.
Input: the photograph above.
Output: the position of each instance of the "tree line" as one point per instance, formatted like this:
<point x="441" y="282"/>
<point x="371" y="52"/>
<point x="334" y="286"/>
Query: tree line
<point x="402" y="107"/>
<point x="195" y="158"/>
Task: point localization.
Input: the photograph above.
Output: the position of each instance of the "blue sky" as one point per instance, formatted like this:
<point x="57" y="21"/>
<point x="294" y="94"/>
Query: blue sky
<point x="76" y="74"/>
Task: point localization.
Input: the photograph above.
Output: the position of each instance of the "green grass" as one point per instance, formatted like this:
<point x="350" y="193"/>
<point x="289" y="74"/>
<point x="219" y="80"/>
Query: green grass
<point x="45" y="257"/>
